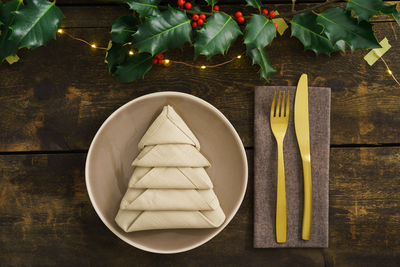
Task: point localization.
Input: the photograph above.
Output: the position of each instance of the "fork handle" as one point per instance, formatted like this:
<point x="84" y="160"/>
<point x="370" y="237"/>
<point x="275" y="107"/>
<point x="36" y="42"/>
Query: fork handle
<point x="281" y="217"/>
<point x="307" y="209"/>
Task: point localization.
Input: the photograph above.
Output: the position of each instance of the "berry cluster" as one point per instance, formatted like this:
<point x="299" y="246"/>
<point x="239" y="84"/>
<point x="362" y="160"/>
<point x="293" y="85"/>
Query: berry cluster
<point x="187" y="5"/>
<point x="198" y="20"/>
<point x="271" y="14"/>
<point x="158" y="59"/>
<point x="239" y="17"/>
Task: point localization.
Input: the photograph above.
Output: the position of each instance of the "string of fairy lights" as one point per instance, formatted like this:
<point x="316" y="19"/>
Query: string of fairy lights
<point x="168" y="62"/>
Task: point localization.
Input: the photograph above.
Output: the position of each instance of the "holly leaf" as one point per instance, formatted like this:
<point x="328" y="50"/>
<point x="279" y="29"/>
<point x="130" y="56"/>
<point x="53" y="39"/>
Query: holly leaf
<point x="8" y="47"/>
<point x="340" y="25"/>
<point x="391" y="11"/>
<point x="144" y="7"/>
<point x="116" y="55"/>
<point x="134" y="67"/>
<point x="123" y="29"/>
<point x="364" y="9"/>
<point x="211" y="2"/>
<point x="260" y="57"/>
<point x="305" y="28"/>
<point x="170" y="29"/>
<point x="217" y="35"/>
<point x="36" y="23"/>
<point x="259" y="32"/>
<point x="254" y="3"/>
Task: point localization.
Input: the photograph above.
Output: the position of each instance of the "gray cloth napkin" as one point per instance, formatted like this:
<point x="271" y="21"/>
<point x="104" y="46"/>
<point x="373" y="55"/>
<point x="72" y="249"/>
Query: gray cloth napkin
<point x="265" y="171"/>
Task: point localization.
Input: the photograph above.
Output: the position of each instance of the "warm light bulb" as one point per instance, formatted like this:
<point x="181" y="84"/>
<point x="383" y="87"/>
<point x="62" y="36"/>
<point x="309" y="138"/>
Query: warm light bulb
<point x="389" y="71"/>
<point x="167" y="62"/>
<point x="93" y="45"/>
<point x="60" y="31"/>
<point x="131" y="53"/>
<point x="203" y="67"/>
<point x="239" y="56"/>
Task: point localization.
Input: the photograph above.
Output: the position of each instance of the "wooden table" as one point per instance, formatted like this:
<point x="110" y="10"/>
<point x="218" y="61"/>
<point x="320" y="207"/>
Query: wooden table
<point x="55" y="99"/>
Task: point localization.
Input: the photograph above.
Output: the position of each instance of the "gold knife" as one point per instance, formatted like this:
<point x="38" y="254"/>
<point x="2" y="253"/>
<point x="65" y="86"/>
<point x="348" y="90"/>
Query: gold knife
<point x="301" y="125"/>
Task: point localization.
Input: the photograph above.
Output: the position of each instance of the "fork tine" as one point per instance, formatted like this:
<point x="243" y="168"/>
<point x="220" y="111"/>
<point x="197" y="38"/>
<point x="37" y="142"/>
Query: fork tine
<point x="273" y="105"/>
<point x="278" y="105"/>
<point x="287" y="104"/>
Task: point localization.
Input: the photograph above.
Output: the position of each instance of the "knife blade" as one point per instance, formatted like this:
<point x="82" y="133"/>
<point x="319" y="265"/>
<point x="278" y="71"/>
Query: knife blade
<point x="302" y="128"/>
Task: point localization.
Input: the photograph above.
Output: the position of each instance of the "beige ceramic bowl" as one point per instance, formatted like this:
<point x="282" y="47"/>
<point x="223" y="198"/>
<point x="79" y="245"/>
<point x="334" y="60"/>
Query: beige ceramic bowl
<point x="108" y="165"/>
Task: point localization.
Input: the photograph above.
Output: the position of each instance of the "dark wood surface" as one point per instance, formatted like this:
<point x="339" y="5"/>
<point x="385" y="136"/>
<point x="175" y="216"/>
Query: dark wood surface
<point x="55" y="99"/>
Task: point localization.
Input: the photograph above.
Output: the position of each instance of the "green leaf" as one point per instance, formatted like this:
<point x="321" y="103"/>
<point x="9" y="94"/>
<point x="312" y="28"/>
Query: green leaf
<point x="259" y="32"/>
<point x="36" y="23"/>
<point x="217" y="35"/>
<point x="211" y="2"/>
<point x="339" y="25"/>
<point x="392" y="11"/>
<point x="123" y="29"/>
<point x="116" y="55"/>
<point x="254" y="3"/>
<point x="134" y="67"/>
<point x="364" y="9"/>
<point x="144" y="7"/>
<point x="171" y="29"/>
<point x="8" y="47"/>
<point x="260" y="57"/>
<point x="305" y="28"/>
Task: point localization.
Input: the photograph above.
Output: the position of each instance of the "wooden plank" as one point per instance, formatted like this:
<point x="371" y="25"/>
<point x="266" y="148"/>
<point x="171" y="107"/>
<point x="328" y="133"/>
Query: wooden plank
<point x="171" y="2"/>
<point x="46" y="218"/>
<point x="57" y="96"/>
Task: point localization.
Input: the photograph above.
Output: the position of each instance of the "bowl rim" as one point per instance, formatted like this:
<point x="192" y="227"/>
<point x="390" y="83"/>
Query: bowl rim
<point x="122" y="108"/>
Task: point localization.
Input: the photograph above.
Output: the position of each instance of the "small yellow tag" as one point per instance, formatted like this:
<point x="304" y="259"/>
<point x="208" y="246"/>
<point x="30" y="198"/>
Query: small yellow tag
<point x="282" y="25"/>
<point x="376" y="53"/>
<point x="12" y="59"/>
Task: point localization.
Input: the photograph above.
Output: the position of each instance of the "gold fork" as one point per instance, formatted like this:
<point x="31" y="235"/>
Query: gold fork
<point x="279" y="120"/>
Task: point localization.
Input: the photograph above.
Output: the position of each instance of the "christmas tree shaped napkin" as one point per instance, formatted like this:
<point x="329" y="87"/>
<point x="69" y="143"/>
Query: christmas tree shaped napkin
<point x="169" y="187"/>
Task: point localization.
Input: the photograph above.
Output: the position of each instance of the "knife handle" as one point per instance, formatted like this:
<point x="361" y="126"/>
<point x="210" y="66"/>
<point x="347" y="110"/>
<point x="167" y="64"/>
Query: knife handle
<point x="281" y="217"/>
<point x="307" y="209"/>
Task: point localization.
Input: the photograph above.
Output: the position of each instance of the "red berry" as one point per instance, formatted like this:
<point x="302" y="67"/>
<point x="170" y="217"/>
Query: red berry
<point x="202" y="16"/>
<point x="240" y="19"/>
<point x="194" y="24"/>
<point x="200" y="22"/>
<point x="160" y="61"/>
<point x="216" y="8"/>
<point x="155" y="61"/>
<point x="195" y="17"/>
<point x="276" y="25"/>
<point x="181" y="2"/>
<point x="160" y="56"/>
<point x="272" y="14"/>
<point x="265" y="12"/>
<point x="188" y="5"/>
<point x="238" y="14"/>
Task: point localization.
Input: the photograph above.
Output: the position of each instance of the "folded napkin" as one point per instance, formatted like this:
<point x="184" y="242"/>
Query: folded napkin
<point x="180" y="178"/>
<point x="132" y="220"/>
<point x="170" y="155"/>
<point x="265" y="171"/>
<point x="169" y="187"/>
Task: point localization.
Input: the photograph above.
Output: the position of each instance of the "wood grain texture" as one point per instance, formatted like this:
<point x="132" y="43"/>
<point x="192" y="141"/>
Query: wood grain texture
<point x="46" y="218"/>
<point x="57" y="96"/>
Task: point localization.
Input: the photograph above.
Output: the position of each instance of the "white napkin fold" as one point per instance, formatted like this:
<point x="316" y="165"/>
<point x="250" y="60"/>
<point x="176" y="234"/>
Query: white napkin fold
<point x="131" y="221"/>
<point x="169" y="199"/>
<point x="171" y="155"/>
<point x="168" y="128"/>
<point x="169" y="187"/>
<point x="170" y="178"/>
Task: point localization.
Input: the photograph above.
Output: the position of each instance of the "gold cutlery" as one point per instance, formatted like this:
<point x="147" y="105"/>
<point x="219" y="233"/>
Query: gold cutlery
<point x="301" y="124"/>
<point x="279" y="119"/>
